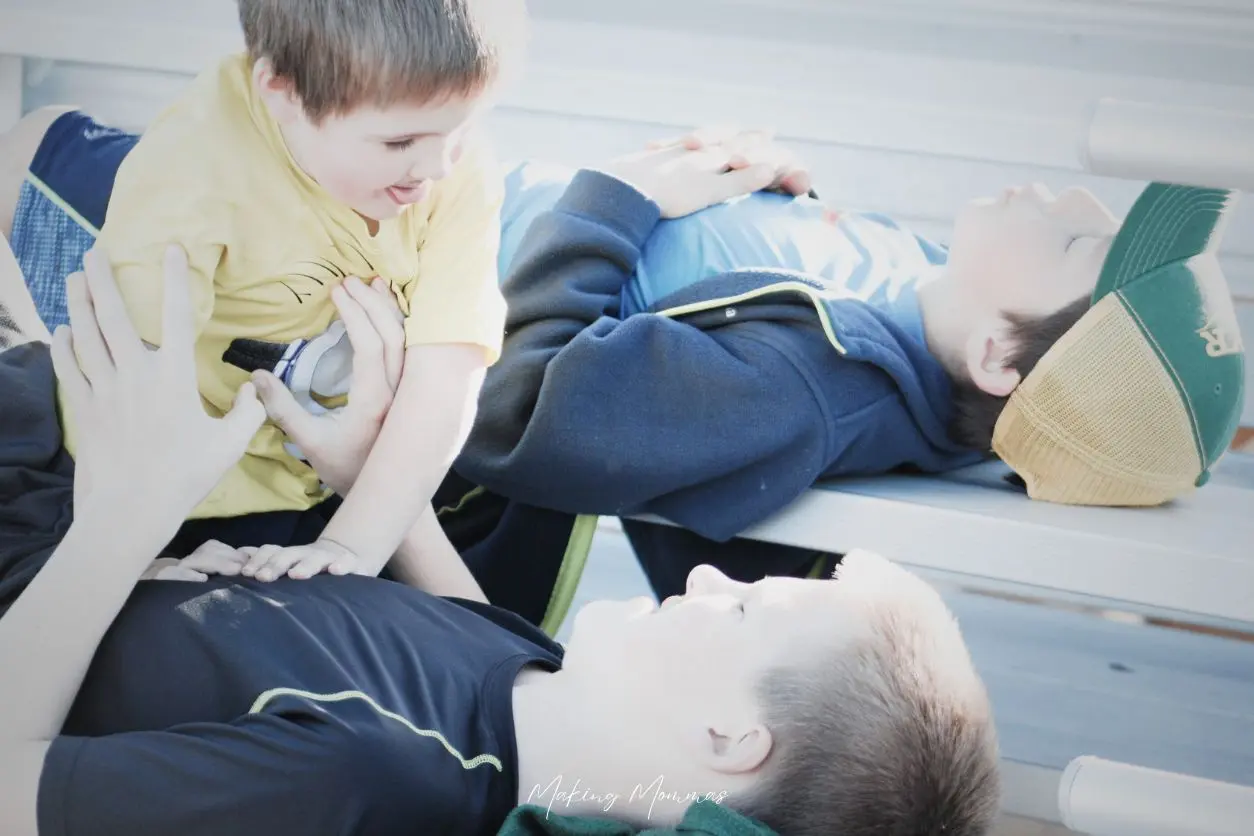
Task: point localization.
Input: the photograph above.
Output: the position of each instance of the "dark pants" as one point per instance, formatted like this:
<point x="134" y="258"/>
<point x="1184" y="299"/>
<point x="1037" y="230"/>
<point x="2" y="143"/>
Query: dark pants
<point x="667" y="554"/>
<point x="272" y="528"/>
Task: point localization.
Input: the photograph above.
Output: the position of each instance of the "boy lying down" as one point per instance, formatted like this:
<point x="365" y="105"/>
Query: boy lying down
<point x="904" y="358"/>
<point x="795" y="344"/>
<point x="355" y="705"/>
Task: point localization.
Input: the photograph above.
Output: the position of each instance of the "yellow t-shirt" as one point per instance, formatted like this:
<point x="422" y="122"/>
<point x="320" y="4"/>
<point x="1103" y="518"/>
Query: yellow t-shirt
<point x="266" y="245"/>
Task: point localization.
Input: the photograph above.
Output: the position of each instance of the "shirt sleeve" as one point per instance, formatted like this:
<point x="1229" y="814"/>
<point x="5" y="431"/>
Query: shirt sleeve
<point x="456" y="297"/>
<point x="262" y="775"/>
<point x="155" y="202"/>
<point x="147" y="213"/>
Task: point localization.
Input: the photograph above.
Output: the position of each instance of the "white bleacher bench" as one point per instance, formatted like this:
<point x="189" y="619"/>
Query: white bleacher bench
<point x="1192" y="560"/>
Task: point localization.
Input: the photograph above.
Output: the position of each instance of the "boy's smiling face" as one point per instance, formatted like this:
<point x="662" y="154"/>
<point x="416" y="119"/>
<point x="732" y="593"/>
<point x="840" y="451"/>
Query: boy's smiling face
<point x="377" y="161"/>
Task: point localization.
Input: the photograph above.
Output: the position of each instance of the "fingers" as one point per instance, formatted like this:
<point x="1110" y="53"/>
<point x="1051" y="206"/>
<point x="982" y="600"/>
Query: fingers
<point x="280" y="404"/>
<point x="708" y="135"/>
<point x="313" y="564"/>
<point x="342" y="566"/>
<point x="176" y="308"/>
<point x="269" y="563"/>
<point x="690" y="142"/>
<point x="369" y="388"/>
<point x="393" y="337"/>
<point x="279" y="563"/>
<point x="180" y="573"/>
<point x="743" y="181"/>
<point x="257" y="559"/>
<point x="796" y="182"/>
<point x="65" y="364"/>
<point x="381" y="287"/>
<point x="745" y="148"/>
<point x="362" y="334"/>
<point x="115" y="324"/>
<point x="244" y="419"/>
<point x="380" y="304"/>
<point x="156" y="566"/>
<point x="758" y="148"/>
<point x="374" y="330"/>
<point x="89" y="345"/>
<point x="215" y="558"/>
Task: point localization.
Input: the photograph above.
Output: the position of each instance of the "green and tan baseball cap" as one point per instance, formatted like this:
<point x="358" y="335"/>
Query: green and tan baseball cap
<point x="1143" y="395"/>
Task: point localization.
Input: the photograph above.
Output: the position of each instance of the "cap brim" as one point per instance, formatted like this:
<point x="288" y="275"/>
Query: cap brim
<point x="1168" y="224"/>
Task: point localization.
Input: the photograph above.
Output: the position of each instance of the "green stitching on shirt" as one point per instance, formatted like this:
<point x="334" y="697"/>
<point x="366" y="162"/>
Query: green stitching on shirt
<point x="275" y="693"/>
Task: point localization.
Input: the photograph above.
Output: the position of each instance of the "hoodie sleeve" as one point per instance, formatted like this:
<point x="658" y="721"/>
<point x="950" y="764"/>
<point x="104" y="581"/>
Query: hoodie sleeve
<point x="591" y="414"/>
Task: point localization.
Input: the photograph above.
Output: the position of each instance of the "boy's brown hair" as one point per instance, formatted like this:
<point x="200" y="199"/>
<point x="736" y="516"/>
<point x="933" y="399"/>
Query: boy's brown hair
<point x="892" y="735"/>
<point x="976" y="411"/>
<point x="342" y="54"/>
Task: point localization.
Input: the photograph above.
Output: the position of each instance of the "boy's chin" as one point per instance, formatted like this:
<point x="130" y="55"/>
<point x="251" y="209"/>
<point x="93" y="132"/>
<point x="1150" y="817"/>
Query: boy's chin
<point x="378" y="212"/>
<point x="385" y="209"/>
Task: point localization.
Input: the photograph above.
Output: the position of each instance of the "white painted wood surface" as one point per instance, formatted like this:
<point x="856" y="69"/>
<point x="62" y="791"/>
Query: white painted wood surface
<point x="1194" y="557"/>
<point x="10" y="90"/>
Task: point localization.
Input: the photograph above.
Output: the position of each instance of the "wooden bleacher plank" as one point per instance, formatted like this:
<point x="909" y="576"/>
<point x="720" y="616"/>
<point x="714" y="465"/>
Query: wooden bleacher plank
<point x="1066" y="684"/>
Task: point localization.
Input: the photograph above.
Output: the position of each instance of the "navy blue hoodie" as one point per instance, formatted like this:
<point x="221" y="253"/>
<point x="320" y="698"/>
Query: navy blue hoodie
<point x="716" y="409"/>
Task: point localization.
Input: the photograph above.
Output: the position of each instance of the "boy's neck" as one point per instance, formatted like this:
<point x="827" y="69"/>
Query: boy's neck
<point x="579" y="755"/>
<point x="945" y="315"/>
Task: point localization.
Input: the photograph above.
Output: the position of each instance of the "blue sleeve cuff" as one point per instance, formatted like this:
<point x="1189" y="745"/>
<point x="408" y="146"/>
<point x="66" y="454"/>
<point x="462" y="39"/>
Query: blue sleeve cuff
<point x="612" y="203"/>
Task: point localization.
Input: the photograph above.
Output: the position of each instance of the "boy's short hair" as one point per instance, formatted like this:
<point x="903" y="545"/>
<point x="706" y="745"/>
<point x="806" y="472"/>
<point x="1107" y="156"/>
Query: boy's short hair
<point x="895" y="735"/>
<point x="9" y="332"/>
<point x="976" y="411"/>
<point x="342" y="54"/>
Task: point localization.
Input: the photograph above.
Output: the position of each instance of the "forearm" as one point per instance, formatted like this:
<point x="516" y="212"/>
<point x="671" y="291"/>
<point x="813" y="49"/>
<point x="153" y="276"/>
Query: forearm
<point x="49" y="636"/>
<point x="566" y="280"/>
<point x="674" y="387"/>
<point x="427" y="560"/>
<point x="422" y="434"/>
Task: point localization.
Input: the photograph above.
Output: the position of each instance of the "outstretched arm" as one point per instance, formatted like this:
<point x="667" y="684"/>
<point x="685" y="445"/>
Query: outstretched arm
<point x="423" y="431"/>
<point x="137" y="411"/>
<point x="337" y="443"/>
<point x="455" y="318"/>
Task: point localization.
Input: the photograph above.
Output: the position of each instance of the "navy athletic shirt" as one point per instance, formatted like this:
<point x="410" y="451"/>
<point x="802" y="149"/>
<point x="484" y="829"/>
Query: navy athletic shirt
<point x="334" y="705"/>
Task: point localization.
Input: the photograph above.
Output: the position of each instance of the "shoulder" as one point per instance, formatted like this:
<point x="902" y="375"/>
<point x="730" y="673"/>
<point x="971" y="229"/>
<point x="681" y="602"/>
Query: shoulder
<point x="475" y="184"/>
<point x="530" y="637"/>
<point x="195" y="150"/>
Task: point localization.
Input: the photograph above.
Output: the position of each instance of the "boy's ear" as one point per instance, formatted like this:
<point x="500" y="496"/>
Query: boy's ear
<point x="278" y="93"/>
<point x="989" y="351"/>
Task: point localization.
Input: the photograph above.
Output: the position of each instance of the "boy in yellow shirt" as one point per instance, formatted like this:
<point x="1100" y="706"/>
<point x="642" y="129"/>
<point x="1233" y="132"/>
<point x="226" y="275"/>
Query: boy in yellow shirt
<point x="341" y="145"/>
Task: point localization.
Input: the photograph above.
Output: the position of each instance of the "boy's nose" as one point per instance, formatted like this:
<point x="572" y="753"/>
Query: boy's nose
<point x="705" y="578"/>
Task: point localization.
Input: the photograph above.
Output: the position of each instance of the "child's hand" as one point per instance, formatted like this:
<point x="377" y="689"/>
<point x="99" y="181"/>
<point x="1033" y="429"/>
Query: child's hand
<point x="336" y="443"/>
<point x="747" y="148"/>
<point x="211" y="558"/>
<point x="695" y="172"/>
<point x="269" y="563"/>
